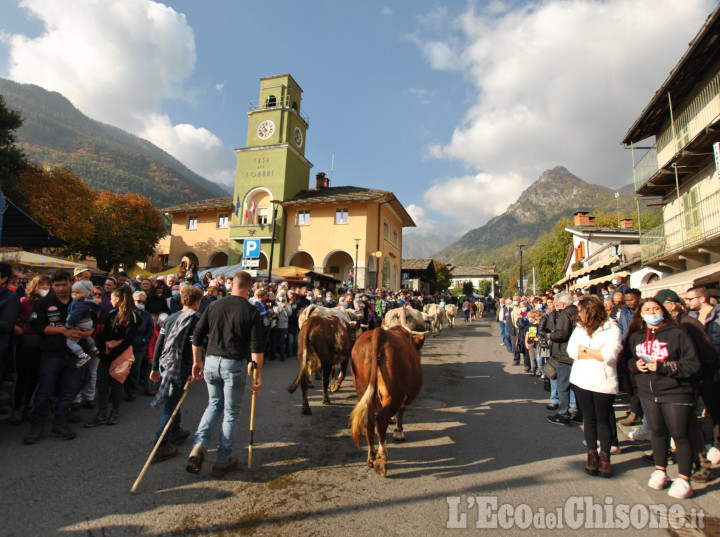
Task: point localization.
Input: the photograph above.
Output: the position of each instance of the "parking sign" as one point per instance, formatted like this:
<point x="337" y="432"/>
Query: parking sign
<point x="251" y="248"/>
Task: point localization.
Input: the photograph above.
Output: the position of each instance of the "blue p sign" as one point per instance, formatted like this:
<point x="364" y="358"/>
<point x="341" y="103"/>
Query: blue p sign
<point x="251" y="248"/>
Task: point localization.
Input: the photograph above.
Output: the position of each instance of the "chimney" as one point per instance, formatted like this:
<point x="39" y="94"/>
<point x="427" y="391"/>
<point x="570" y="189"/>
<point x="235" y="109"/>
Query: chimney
<point x="626" y="223"/>
<point x="582" y="218"/>
<point x="321" y="181"/>
<point x="591" y="221"/>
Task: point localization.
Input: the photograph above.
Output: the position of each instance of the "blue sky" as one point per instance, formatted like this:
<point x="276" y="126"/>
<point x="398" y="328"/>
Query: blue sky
<point x="454" y="106"/>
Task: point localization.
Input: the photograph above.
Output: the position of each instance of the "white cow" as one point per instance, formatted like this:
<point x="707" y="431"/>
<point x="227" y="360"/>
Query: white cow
<point x="451" y="313"/>
<point x="434" y="314"/>
<point x="407" y="317"/>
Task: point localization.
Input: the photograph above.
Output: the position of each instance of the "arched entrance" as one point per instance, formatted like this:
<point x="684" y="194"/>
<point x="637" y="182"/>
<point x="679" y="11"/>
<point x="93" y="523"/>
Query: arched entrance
<point x="217" y="259"/>
<point x="188" y="257"/>
<point x="263" y="261"/>
<point x="338" y="265"/>
<point x="301" y="259"/>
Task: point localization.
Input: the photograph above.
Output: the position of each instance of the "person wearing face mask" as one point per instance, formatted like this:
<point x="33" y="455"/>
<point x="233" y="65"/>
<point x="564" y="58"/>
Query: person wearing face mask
<point x="173" y="301"/>
<point x="664" y="361"/>
<point x="27" y="355"/>
<point x="143" y="335"/>
<point x="283" y="311"/>
<point x="157" y="299"/>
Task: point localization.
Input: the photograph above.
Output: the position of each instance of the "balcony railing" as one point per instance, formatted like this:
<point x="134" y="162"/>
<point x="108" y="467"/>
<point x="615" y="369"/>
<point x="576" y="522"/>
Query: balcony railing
<point x="280" y="102"/>
<point x="693" y="225"/>
<point x="702" y="111"/>
<point x="646" y="168"/>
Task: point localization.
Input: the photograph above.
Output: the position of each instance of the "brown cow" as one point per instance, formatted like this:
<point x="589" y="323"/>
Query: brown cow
<point x="323" y="343"/>
<point x="387" y="374"/>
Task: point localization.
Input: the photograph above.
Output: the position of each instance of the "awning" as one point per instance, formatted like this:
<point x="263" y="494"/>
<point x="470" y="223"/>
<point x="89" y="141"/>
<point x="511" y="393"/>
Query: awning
<point x="35" y="261"/>
<point x="682" y="281"/>
<point x="590" y="268"/>
<point x="292" y="272"/>
<point x="600" y="280"/>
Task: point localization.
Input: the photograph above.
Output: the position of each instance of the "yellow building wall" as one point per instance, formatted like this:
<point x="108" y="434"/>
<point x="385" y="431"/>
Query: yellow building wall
<point x="204" y="241"/>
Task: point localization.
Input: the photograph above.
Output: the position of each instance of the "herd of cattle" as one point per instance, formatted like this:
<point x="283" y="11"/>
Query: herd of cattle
<point x="385" y="364"/>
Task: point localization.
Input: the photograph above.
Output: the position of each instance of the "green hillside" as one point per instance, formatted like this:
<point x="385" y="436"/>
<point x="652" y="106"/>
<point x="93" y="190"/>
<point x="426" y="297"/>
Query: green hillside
<point x="55" y="133"/>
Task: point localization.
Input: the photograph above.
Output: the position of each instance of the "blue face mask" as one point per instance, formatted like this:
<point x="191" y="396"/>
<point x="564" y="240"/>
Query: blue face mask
<point x="140" y="306"/>
<point x="176" y="293"/>
<point x="523" y="310"/>
<point x="654" y="319"/>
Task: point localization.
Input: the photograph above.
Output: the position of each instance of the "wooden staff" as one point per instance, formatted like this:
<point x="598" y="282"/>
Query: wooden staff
<point x="252" y="370"/>
<point x="157" y="444"/>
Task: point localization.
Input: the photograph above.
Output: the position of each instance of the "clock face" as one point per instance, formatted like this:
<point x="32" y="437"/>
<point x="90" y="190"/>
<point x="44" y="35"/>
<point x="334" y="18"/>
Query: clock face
<point x="298" y="137"/>
<point x="265" y="129"/>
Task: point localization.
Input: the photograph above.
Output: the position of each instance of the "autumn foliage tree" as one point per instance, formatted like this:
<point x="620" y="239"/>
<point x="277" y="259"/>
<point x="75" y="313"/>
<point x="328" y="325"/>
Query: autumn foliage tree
<point x="113" y="228"/>
<point x="127" y="228"/>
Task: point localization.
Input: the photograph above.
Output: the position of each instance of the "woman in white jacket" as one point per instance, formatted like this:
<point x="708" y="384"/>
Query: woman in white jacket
<point x="594" y="347"/>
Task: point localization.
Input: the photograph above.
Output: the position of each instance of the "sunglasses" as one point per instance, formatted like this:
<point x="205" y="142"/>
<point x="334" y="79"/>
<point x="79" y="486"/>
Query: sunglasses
<point x="139" y="302"/>
<point x="97" y="294"/>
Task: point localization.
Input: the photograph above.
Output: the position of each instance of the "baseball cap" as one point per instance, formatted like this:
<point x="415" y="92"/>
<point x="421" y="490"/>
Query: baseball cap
<point x="665" y="295"/>
<point x="80" y="269"/>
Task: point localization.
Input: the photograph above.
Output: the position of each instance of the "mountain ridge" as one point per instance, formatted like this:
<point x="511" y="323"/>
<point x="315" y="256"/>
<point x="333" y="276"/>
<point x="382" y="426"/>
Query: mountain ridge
<point x="56" y="133"/>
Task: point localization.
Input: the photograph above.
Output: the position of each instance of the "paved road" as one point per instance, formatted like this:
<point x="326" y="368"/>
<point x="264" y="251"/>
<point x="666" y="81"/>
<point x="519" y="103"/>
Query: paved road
<point x="476" y="435"/>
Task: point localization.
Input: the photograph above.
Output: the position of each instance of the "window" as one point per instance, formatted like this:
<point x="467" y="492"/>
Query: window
<point x="271" y="101"/>
<point x="262" y="215"/>
<point x="192" y="221"/>
<point x="341" y="216"/>
<point x="386" y="230"/>
<point x="223" y="220"/>
<point x="395" y="236"/>
<point x="303" y="218"/>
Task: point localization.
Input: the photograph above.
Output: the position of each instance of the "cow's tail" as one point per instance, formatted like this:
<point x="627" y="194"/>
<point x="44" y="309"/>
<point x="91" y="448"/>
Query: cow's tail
<point x="359" y="415"/>
<point x="303" y="363"/>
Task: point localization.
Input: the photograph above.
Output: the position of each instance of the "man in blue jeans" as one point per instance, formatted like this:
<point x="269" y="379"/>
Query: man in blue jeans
<point x="57" y="363"/>
<point x="234" y="331"/>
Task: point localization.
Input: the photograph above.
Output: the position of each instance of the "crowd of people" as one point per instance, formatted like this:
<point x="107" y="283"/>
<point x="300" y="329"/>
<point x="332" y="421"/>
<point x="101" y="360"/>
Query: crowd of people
<point x="68" y="343"/>
<point x="663" y="351"/>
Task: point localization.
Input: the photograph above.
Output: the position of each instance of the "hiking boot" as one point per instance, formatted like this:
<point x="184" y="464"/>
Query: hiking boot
<point x="113" y="418"/>
<point x="591" y="467"/>
<point x="631" y="419"/>
<point x="219" y="469"/>
<point x="604" y="468"/>
<point x="165" y="452"/>
<point x="703" y="475"/>
<point x="197" y="456"/>
<point x="63" y="431"/>
<point x="34" y="435"/>
<point x="97" y="420"/>
<point x="179" y="436"/>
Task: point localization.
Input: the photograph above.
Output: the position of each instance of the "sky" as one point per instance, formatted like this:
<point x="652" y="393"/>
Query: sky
<point x="456" y="107"/>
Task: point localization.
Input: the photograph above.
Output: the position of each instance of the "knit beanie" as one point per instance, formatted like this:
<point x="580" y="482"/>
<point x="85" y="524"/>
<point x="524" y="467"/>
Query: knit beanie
<point x="84" y="286"/>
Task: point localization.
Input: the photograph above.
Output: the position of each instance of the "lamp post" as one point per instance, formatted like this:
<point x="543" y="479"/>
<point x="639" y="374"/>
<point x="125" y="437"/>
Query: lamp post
<point x="520" y="283"/>
<point x="357" y="246"/>
<point x="275" y="203"/>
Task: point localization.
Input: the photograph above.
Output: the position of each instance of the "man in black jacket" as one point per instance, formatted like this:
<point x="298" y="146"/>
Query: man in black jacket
<point x="560" y="336"/>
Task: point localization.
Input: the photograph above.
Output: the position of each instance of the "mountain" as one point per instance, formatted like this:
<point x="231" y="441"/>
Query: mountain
<point x="56" y="133"/>
<point x="557" y="193"/>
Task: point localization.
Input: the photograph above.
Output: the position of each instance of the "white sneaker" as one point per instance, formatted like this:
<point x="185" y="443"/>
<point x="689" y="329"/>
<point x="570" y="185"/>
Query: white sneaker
<point x="680" y="489"/>
<point x="641" y="433"/>
<point x="658" y="480"/>
<point x="713" y="455"/>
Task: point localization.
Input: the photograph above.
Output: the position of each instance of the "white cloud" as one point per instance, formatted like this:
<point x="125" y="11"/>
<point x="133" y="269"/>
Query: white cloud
<point x="556" y="83"/>
<point x="117" y="62"/>
<point x="386" y="11"/>
<point x="202" y="151"/>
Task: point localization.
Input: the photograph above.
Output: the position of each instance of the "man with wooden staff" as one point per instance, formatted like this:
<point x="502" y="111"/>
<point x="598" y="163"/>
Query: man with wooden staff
<point x="174" y="354"/>
<point x="234" y="331"/>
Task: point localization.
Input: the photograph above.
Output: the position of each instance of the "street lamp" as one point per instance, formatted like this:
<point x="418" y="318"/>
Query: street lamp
<point x="275" y="203"/>
<point x="520" y="284"/>
<point x="357" y="246"/>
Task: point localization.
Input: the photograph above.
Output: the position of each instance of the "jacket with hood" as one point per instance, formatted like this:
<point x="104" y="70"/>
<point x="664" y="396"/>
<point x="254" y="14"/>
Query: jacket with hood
<point x="677" y="363"/>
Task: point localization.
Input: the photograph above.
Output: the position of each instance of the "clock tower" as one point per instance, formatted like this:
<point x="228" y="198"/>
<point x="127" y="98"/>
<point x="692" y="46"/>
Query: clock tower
<point x="271" y="168"/>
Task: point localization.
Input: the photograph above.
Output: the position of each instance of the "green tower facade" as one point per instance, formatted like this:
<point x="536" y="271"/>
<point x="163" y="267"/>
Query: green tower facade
<point x="271" y="167"/>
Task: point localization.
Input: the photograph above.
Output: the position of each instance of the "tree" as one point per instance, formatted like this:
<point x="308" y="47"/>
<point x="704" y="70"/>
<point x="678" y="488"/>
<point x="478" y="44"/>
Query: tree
<point x="484" y="288"/>
<point x="549" y="253"/>
<point x="127" y="228"/>
<point x="443" y="278"/>
<point x="63" y="204"/>
<point x="468" y="289"/>
<point x="12" y="158"/>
